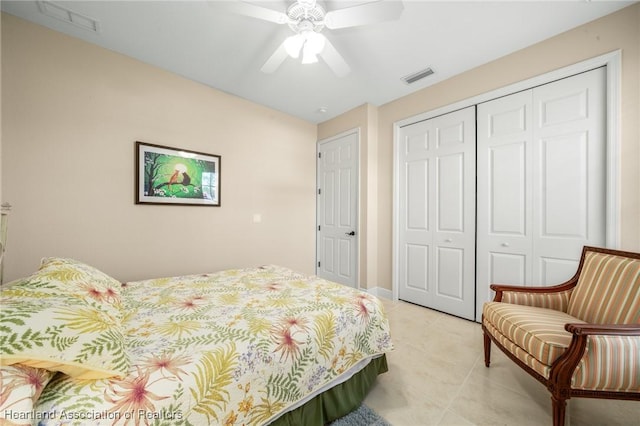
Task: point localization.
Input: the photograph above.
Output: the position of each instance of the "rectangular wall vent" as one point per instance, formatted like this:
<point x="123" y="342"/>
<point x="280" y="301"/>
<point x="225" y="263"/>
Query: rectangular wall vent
<point x="67" y="15"/>
<point x="412" y="78"/>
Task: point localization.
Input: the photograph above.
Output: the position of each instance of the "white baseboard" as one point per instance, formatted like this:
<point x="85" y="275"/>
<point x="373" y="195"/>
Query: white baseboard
<point x="380" y="292"/>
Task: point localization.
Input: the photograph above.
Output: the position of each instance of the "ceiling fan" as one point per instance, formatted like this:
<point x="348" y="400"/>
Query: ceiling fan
<point x="307" y="19"/>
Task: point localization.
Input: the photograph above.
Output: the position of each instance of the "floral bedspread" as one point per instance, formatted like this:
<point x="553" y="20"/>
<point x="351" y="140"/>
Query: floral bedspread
<point x="236" y="347"/>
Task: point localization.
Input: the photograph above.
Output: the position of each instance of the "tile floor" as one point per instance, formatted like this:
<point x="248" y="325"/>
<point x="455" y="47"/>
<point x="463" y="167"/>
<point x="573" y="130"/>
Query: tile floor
<point x="437" y="377"/>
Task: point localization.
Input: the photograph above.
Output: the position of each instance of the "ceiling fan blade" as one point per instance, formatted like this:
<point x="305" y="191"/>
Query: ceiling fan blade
<point x="275" y="60"/>
<point x="253" y="10"/>
<point x="334" y="60"/>
<point x="364" y="14"/>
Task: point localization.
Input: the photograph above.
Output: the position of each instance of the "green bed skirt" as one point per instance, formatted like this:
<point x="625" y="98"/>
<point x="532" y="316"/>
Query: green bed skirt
<point x="338" y="401"/>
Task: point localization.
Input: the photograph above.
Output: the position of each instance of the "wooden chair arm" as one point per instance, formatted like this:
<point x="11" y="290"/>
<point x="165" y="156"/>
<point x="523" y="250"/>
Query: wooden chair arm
<point x="603" y="329"/>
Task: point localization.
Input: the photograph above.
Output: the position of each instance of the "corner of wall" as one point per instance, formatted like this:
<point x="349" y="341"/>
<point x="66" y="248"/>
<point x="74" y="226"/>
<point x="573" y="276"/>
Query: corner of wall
<point x="372" y="197"/>
<point x="1" y="109"/>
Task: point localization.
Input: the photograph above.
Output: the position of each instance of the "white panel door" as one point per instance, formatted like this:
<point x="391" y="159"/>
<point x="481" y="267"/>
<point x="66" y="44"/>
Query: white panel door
<point x="504" y="191"/>
<point x="337" y="209"/>
<point x="437" y="213"/>
<point x="569" y="162"/>
<point x="541" y="182"/>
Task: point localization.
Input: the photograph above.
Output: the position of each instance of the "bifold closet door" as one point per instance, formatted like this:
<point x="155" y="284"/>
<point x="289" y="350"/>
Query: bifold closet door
<point x="436" y="223"/>
<point x="541" y="182"/>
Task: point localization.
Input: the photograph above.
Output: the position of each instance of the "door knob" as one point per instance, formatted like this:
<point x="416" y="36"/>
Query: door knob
<point x="352" y="233"/>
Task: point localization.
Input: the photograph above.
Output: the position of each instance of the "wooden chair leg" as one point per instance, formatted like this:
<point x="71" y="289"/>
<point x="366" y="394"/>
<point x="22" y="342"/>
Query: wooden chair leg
<point x="559" y="407"/>
<point x="487" y="350"/>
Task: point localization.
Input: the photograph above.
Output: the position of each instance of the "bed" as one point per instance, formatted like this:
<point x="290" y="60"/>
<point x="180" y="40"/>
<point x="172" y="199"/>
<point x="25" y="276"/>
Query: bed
<point x="251" y="346"/>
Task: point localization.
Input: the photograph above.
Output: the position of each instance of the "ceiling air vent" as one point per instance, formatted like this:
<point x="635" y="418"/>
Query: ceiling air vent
<point x="412" y="78"/>
<point x="67" y="15"/>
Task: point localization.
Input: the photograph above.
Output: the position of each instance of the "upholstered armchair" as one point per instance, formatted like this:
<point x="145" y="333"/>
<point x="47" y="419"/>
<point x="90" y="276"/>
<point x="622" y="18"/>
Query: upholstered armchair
<point x="580" y="338"/>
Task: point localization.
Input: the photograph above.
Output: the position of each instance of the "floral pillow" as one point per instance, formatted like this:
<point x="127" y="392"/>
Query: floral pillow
<point x="65" y="317"/>
<point x="87" y="280"/>
<point x="20" y="388"/>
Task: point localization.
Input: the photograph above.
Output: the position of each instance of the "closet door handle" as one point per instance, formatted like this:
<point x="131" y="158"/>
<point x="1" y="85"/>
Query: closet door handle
<point x="448" y="240"/>
<point x="505" y="244"/>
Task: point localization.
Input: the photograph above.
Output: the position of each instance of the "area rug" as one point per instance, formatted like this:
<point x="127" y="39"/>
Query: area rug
<point x="363" y="416"/>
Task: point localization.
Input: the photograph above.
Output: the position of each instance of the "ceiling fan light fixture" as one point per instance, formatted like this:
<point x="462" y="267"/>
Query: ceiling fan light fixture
<point x="307" y="18"/>
<point x="309" y="57"/>
<point x="293" y="45"/>
<point x="314" y="42"/>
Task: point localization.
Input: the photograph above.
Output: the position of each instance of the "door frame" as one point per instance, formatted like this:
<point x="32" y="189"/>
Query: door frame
<point x="613" y="63"/>
<point x="349" y="132"/>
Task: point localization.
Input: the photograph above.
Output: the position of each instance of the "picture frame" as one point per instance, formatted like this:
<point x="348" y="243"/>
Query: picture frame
<point x="175" y="176"/>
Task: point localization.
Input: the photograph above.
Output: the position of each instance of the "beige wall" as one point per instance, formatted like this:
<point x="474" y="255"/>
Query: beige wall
<point x="617" y="31"/>
<point x="71" y="114"/>
<point x="1" y="112"/>
<point x="72" y="111"/>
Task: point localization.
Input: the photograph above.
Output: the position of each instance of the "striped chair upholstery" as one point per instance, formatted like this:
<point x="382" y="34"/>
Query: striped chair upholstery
<point x="601" y="367"/>
<point x="579" y="338"/>
<point x="538" y="331"/>
<point x="558" y="301"/>
<point x="608" y="290"/>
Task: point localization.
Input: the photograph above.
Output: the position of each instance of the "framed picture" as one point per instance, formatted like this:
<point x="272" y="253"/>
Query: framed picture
<point x="166" y="175"/>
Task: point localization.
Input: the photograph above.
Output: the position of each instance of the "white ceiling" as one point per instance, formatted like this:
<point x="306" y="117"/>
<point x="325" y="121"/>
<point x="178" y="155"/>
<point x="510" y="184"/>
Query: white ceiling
<point x="202" y="41"/>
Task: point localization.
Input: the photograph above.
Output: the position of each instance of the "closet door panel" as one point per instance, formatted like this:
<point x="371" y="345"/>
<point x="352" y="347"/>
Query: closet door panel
<point x="450" y="193"/>
<point x="554" y="271"/>
<point x="437" y="213"/>
<point x="449" y="274"/>
<point x="418" y="234"/>
<point x="416" y="218"/>
<point x="541" y="182"/>
<point x="505" y="146"/>
<point x="507" y="268"/>
<point x="507" y="189"/>
<point x="417" y="195"/>
<point x="563" y="209"/>
<point x="417" y="268"/>
<point x="454" y="208"/>
<point x="570" y="138"/>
